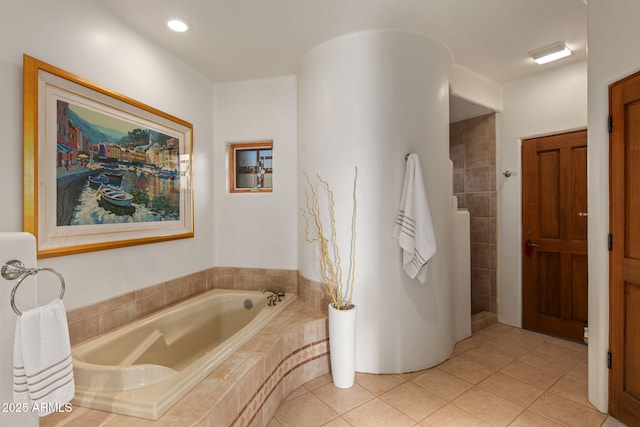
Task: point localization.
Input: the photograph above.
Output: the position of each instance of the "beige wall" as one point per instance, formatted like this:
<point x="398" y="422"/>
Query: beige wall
<point x="549" y="102"/>
<point x="88" y="48"/>
<point x="256" y="230"/>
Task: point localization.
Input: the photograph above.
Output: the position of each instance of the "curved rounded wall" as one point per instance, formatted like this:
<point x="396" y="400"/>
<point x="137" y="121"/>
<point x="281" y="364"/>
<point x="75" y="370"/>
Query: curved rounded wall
<point x="366" y="100"/>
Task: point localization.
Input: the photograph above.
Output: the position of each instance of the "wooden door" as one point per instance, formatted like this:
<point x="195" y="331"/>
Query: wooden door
<point x="624" y="261"/>
<point x="554" y="233"/>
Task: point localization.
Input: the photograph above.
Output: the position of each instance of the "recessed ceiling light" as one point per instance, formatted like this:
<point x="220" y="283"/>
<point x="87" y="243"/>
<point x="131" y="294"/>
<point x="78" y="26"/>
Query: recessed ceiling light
<point x="550" y="53"/>
<point x="178" y="25"/>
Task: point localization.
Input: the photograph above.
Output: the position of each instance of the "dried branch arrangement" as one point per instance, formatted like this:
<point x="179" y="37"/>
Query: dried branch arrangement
<point x="340" y="293"/>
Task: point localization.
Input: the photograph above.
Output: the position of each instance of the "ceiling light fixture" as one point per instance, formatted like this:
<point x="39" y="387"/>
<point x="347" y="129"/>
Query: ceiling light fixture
<point x="550" y="53"/>
<point x="178" y="25"/>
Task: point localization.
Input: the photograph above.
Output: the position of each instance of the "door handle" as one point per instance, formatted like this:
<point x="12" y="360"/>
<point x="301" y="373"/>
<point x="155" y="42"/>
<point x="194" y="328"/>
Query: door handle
<point x="583" y="213"/>
<point x="528" y="247"/>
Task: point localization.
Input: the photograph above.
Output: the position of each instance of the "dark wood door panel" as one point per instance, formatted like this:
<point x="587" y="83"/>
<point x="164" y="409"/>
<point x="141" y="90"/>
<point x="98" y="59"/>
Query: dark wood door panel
<point x="624" y="261"/>
<point x="562" y="328"/>
<point x="631" y="271"/>
<point x="555" y="245"/>
<point x="632" y="335"/>
<point x="568" y="140"/>
<point x="632" y="182"/>
<point x="579" y="288"/>
<point x="578" y="222"/>
<point x="549" y="205"/>
<point x="549" y="288"/>
<point x="554" y="197"/>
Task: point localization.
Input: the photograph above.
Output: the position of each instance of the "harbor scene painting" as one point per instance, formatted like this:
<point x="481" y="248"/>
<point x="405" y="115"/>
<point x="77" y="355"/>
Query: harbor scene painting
<point x="101" y="170"/>
<point x="111" y="171"/>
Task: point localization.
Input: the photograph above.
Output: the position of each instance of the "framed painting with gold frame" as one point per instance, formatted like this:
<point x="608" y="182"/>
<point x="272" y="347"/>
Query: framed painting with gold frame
<point x="101" y="170"/>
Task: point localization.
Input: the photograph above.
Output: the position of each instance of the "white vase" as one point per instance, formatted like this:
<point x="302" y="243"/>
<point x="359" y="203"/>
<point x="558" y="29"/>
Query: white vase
<point x="342" y="345"/>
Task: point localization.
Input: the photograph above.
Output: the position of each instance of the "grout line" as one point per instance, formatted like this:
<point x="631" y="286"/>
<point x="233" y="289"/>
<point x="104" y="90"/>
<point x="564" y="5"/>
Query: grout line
<point x="278" y="381"/>
<point x="544" y="390"/>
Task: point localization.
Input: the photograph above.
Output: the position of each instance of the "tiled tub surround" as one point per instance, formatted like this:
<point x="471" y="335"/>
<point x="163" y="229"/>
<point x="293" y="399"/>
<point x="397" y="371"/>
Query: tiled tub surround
<point x="248" y="387"/>
<point x="299" y="334"/>
<point x="145" y="367"/>
<point x="99" y="318"/>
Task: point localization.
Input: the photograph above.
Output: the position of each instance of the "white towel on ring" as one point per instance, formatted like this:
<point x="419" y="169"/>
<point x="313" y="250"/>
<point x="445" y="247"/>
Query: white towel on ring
<point x="42" y="368"/>
<point x="413" y="227"/>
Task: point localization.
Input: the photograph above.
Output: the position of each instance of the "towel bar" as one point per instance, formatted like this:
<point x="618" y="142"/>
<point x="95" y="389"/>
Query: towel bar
<point x="15" y="269"/>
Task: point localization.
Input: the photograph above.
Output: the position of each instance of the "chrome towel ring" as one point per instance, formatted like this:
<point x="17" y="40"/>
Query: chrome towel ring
<point x="15" y="269"/>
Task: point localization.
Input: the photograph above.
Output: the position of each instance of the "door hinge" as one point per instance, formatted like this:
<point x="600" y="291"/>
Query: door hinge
<point x="610" y="124"/>
<point x="608" y="360"/>
<point x="610" y="242"/>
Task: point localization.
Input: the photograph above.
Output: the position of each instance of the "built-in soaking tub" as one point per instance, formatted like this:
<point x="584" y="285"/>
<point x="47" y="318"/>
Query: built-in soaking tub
<point x="144" y="368"/>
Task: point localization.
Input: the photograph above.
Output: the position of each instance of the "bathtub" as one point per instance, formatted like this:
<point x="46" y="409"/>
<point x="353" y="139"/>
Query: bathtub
<point x="145" y="367"/>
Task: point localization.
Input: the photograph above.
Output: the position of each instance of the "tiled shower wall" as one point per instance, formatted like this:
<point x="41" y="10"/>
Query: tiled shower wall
<point x="473" y="152"/>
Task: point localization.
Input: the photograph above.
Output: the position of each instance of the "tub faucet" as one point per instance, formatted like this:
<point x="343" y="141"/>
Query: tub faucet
<point x="275" y="296"/>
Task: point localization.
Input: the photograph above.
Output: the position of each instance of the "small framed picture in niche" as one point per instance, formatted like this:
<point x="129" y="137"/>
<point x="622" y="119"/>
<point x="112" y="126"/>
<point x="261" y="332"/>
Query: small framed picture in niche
<point x="251" y="167"/>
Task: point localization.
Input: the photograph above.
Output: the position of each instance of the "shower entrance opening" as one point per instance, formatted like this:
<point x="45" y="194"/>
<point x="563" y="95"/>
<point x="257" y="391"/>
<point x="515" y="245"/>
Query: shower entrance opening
<point x="554" y="234"/>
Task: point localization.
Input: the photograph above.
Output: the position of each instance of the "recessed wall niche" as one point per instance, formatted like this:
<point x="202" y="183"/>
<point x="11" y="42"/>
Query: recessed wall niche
<point x="251" y="167"/>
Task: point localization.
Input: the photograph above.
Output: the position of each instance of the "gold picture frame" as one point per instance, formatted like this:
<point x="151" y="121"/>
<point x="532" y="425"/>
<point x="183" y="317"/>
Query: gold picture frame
<point x="101" y="170"/>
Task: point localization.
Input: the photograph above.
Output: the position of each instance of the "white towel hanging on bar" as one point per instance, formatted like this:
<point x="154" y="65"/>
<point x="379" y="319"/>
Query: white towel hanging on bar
<point x="413" y="227"/>
<point x="42" y="368"/>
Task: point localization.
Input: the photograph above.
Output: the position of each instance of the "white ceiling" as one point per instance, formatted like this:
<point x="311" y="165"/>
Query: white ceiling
<point x="248" y="39"/>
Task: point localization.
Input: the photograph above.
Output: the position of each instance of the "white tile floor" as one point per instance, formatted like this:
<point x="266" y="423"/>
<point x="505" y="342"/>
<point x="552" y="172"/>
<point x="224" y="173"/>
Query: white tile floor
<point x="500" y="376"/>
